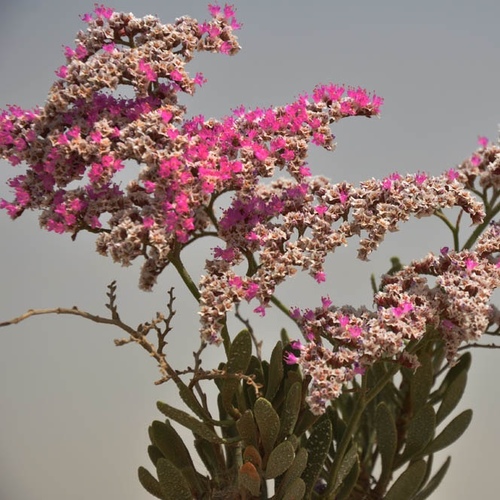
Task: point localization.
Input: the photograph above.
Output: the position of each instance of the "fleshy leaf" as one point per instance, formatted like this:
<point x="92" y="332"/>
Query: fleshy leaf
<point x="434" y="482"/>
<point x="172" y="481"/>
<point x="290" y="412"/>
<point x="190" y="422"/>
<point x="268" y="423"/>
<point x="350" y="458"/>
<point x="208" y="455"/>
<point x="280" y="459"/>
<point x="408" y="483"/>
<point x="150" y="483"/>
<point x="420" y="432"/>
<point x="238" y="360"/>
<point x="452" y="396"/>
<point x="450" y="433"/>
<point x="275" y="375"/>
<point x="295" y="470"/>
<point x="349" y="482"/>
<point x="295" y="491"/>
<point x="387" y="439"/>
<point x="421" y="383"/>
<point x="249" y="478"/>
<point x="248" y="429"/>
<point x="251" y="454"/>
<point x="317" y="446"/>
<point x="154" y="454"/>
<point x="173" y="448"/>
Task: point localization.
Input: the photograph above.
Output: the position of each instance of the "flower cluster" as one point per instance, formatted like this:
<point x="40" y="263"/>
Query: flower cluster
<point x="343" y="341"/>
<point x="87" y="131"/>
<point x="85" y="134"/>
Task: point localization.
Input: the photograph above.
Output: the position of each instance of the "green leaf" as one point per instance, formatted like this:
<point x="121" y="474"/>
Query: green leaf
<point x="208" y="455"/>
<point x="275" y="372"/>
<point x="154" y="454"/>
<point x="434" y="482"/>
<point x="290" y="412"/>
<point x="191" y="401"/>
<point x="317" y="446"/>
<point x="183" y="418"/>
<point x="350" y="458"/>
<point x="173" y="448"/>
<point x="238" y="361"/>
<point x="462" y="365"/>
<point x="387" y="439"/>
<point x="280" y="459"/>
<point x="295" y="491"/>
<point x="408" y="483"/>
<point x="285" y="339"/>
<point x="452" y="396"/>
<point x="268" y="423"/>
<point x="306" y="420"/>
<point x="421" y="383"/>
<point x="150" y="483"/>
<point x="420" y="432"/>
<point x="450" y="433"/>
<point x="168" y="441"/>
<point x="172" y="481"/>
<point x="295" y="470"/>
<point x="248" y="429"/>
<point x="344" y="493"/>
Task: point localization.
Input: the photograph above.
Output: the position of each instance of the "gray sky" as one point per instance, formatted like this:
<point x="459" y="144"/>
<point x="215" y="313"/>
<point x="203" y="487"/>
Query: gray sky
<point x="74" y="408"/>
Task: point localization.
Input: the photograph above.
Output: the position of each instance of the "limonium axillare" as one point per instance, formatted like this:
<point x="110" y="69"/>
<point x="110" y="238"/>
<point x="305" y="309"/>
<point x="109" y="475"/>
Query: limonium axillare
<point x="87" y="132"/>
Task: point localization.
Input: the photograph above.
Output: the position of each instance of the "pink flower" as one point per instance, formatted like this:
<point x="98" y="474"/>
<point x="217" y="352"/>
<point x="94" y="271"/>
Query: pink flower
<point x="261" y="310"/>
<point x="176" y="75"/>
<point x="290" y="358"/>
<point x="62" y="72"/>
<point x="326" y="301"/>
<point x="96" y="136"/>
<point x="109" y="47"/>
<point x="150" y="74"/>
<point x="102" y="11"/>
<point x="214" y="9"/>
<point x="320" y="277"/>
<point x="470" y="264"/>
<point x="81" y="51"/>
<point x="225" y="48"/>
<point x="483" y="141"/>
<point x="344" y="321"/>
<point x="420" y="178"/>
<point x="148" y="222"/>
<point x="355" y="331"/>
<point x="199" y="79"/>
<point x="297" y="345"/>
<point x="166" y="116"/>
<point x="476" y="160"/>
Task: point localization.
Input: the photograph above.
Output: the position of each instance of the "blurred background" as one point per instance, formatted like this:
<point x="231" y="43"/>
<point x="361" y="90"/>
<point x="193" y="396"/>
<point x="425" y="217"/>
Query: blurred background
<point x="74" y="408"/>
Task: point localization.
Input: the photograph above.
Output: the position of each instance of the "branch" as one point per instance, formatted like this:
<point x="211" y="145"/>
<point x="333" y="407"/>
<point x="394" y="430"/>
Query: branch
<point x="136" y="335"/>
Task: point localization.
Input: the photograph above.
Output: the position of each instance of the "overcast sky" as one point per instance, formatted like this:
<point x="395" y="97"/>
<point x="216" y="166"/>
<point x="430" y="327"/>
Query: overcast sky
<point x="74" y="408"/>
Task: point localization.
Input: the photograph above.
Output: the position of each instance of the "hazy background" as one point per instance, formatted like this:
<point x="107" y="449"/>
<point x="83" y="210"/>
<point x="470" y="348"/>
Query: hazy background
<point x="74" y="410"/>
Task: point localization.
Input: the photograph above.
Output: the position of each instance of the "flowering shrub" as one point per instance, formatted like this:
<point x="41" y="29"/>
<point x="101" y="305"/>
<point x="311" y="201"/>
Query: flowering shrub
<point x="339" y="381"/>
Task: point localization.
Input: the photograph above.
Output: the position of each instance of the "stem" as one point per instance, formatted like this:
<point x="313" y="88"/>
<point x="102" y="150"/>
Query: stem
<point x="365" y="397"/>
<point x="479" y="229"/>
<point x="346" y="439"/>
<point x="454" y="229"/>
<point x="175" y="259"/>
